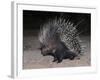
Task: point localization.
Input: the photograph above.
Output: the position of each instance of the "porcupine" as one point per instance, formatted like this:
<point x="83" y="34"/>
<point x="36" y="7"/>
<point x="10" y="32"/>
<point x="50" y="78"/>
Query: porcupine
<point x="59" y="38"/>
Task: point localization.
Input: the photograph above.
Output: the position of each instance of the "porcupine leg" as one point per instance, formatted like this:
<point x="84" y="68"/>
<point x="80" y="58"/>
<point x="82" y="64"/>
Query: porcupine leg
<point x="59" y="57"/>
<point x="71" y="55"/>
<point x="55" y="58"/>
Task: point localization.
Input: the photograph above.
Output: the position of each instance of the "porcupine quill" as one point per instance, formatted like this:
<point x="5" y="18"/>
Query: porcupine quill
<point x="60" y="38"/>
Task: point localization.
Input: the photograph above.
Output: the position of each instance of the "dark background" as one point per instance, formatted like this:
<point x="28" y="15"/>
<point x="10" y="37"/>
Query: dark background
<point x="32" y="20"/>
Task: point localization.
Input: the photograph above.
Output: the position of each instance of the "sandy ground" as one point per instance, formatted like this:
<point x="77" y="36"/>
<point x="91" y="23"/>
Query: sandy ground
<point x="33" y="59"/>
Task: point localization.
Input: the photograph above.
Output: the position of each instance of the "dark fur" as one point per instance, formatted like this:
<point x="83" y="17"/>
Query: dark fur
<point x="61" y="52"/>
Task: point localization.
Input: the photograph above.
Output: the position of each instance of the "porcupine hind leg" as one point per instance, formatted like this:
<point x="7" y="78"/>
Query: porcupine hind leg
<point x="71" y="55"/>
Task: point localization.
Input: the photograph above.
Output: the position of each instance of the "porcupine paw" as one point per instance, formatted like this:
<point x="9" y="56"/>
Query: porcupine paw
<point x="72" y="58"/>
<point x="59" y="61"/>
<point x="55" y="59"/>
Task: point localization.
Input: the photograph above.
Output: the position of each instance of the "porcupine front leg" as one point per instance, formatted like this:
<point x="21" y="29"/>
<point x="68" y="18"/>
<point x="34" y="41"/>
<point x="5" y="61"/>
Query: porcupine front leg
<point x="55" y="58"/>
<point x="59" y="59"/>
<point x="59" y="56"/>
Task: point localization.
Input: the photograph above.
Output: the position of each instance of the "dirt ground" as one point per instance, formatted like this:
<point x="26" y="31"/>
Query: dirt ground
<point x="33" y="59"/>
